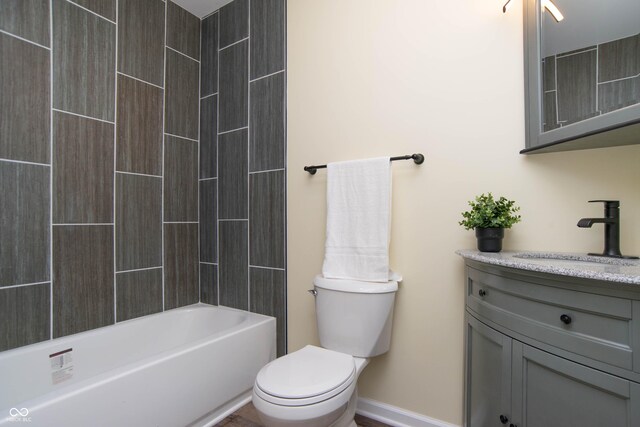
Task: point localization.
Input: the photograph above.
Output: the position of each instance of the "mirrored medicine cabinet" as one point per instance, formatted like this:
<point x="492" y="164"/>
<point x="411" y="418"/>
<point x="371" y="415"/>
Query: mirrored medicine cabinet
<point x="582" y="75"/>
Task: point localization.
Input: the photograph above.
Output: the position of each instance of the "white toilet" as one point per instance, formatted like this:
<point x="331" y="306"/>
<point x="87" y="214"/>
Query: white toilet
<point x="316" y="387"/>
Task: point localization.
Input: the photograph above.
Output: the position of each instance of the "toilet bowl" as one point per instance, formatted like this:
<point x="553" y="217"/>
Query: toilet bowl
<point x="316" y="386"/>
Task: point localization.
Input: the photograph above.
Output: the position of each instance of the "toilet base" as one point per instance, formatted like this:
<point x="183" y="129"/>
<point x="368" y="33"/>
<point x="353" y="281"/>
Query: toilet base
<point x="347" y="419"/>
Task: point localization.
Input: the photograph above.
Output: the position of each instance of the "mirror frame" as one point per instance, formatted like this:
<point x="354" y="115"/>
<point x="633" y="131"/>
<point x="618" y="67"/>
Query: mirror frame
<point x="620" y="127"/>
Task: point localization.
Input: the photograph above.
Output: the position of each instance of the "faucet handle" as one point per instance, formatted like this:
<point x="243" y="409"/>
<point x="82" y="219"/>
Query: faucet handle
<point x="607" y="203"/>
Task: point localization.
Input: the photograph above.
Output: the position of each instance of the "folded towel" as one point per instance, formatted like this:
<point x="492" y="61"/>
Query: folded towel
<point x="358" y="220"/>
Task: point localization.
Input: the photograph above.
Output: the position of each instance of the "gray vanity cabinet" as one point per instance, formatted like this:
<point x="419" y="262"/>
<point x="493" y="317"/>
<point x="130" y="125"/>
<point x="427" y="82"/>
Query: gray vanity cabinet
<point x="525" y="367"/>
<point x="551" y="391"/>
<point x="489" y="375"/>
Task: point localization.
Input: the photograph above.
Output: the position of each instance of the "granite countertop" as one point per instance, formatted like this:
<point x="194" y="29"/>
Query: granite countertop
<point x="564" y="264"/>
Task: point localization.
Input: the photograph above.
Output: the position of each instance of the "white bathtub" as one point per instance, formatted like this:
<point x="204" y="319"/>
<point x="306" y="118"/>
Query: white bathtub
<point x="190" y="366"/>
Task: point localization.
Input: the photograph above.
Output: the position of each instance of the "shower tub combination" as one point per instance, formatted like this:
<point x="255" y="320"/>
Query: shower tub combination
<point x="183" y="367"/>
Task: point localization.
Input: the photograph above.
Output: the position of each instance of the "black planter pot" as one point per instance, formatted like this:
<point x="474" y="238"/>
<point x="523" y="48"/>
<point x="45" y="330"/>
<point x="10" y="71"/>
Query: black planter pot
<point x="489" y="239"/>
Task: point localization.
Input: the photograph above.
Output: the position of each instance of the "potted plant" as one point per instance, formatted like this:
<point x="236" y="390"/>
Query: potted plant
<point x="489" y="217"/>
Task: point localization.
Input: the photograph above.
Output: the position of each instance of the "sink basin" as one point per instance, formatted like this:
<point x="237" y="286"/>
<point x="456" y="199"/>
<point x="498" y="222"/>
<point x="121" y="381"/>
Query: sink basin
<point x="575" y="258"/>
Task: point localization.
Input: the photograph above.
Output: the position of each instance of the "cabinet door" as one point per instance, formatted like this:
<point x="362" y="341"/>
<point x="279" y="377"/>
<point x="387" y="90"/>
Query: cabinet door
<point x="551" y="391"/>
<point x="488" y="375"/>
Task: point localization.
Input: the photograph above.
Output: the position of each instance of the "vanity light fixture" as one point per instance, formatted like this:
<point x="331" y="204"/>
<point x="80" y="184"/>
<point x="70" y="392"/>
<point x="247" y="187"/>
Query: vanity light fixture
<point x="546" y="4"/>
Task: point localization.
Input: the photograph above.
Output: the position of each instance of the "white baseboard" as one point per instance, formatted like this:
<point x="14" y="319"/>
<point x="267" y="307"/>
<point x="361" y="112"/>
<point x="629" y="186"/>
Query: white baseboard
<point x="395" y="416"/>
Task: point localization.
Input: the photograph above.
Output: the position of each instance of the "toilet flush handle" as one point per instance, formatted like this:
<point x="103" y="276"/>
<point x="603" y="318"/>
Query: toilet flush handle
<point x="313" y="292"/>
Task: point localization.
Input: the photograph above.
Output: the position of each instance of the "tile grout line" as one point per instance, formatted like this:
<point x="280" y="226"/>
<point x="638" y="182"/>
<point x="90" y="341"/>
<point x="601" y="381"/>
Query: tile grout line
<point x="183" y="137"/>
<point x="140" y="80"/>
<point x="597" y="77"/>
<point x="183" y="54"/>
<point x="164" y="137"/>
<point x="115" y="167"/>
<point x="24" y="40"/>
<point x="94" y="13"/>
<point x="268" y="75"/>
<point x="180" y="222"/>
<point x="267" y="171"/>
<point x="207" y="179"/>
<point x="233" y="130"/>
<point x="24" y="285"/>
<point x="236" y="42"/>
<point x="232" y="219"/>
<point x="137" y="173"/>
<point x="208" y="263"/>
<point x="82" y="115"/>
<point x="211" y="94"/>
<point x="138" y="269"/>
<point x="25" y="162"/>
<point x="51" y="170"/>
<point x="620" y="79"/>
<point x="267" y="268"/>
<point x="78" y="224"/>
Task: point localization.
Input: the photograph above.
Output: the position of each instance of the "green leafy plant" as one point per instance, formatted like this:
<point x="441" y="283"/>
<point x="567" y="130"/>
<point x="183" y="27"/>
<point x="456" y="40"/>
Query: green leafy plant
<point x="486" y="212"/>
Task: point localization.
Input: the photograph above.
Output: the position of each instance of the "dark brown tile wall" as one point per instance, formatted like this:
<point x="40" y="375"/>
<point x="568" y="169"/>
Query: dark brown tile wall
<point x="180" y="179"/>
<point x="242" y="159"/>
<point x="180" y="265"/>
<point x="28" y="19"/>
<point x="82" y="170"/>
<point x="588" y="82"/>
<point x="25" y="125"/>
<point x="139" y="293"/>
<point x="183" y="31"/>
<point x="82" y="278"/>
<point x="82" y="243"/>
<point x="84" y="59"/>
<point x="139" y="127"/>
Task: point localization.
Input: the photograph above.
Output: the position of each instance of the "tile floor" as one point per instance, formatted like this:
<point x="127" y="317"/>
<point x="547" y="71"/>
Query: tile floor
<point x="248" y="417"/>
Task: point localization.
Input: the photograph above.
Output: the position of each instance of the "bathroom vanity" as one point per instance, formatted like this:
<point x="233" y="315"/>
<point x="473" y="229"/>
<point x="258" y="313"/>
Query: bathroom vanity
<point x="551" y="342"/>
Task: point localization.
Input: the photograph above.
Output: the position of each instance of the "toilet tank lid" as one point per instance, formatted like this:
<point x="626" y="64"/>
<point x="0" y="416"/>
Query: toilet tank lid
<point x="355" y="286"/>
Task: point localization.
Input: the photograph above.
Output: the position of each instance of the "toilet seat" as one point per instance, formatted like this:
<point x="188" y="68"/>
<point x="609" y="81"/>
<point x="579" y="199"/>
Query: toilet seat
<point x="305" y="377"/>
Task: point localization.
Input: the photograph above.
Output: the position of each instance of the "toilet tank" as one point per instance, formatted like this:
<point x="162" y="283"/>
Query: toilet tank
<point x="355" y="317"/>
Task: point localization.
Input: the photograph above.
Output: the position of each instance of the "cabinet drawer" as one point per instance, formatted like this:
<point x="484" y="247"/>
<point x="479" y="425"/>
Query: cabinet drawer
<point x="595" y="326"/>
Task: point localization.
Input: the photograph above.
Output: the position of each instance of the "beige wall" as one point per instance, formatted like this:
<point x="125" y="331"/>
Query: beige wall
<point x="370" y="78"/>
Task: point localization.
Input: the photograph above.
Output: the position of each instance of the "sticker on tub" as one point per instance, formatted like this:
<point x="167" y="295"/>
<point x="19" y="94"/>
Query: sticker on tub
<point x="61" y="366"/>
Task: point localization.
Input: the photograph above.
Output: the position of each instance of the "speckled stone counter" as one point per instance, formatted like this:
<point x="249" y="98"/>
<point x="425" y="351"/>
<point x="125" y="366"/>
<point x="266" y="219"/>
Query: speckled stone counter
<point x="564" y="264"/>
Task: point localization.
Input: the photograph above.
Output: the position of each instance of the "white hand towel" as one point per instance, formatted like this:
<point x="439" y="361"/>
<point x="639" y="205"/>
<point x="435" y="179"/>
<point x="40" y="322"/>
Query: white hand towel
<point x="358" y="220"/>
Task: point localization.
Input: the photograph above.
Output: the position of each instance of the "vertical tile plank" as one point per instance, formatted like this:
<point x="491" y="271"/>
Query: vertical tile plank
<point x="138" y="222"/>
<point x="82" y="170"/>
<point x="268" y="296"/>
<point x="24" y="223"/>
<point x="180" y="179"/>
<point x="138" y="293"/>
<point x="267" y="236"/>
<point x="82" y="278"/>
<point x="208" y="137"/>
<point x="24" y="120"/>
<point x="234" y="22"/>
<point x="208" y="221"/>
<point x="83" y="62"/>
<point x="24" y="315"/>
<point x="233" y="87"/>
<point x="181" y="109"/>
<point x="180" y="265"/>
<point x="139" y="127"/>
<point x="232" y="176"/>
<point x="233" y="265"/>
<point x="267" y="120"/>
<point x="267" y="37"/>
<point x="209" y="284"/>
<point x="183" y="31"/>
<point x="141" y="39"/>
<point x="28" y="19"/>
<point x="209" y="64"/>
